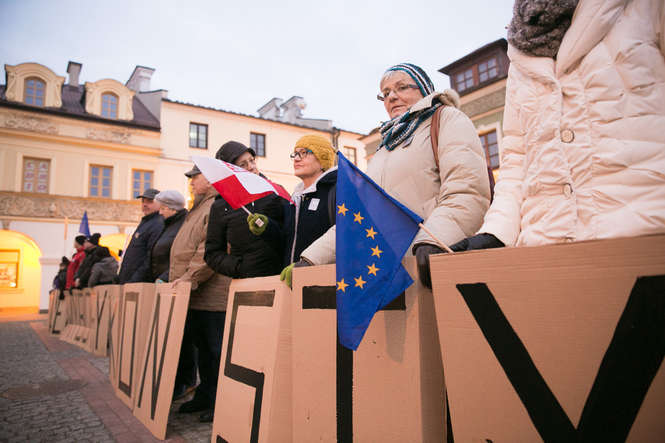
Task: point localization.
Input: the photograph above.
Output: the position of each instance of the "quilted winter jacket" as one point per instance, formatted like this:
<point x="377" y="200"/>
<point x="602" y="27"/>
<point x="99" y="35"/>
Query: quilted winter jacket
<point x="210" y="290"/>
<point x="583" y="153"/>
<point x="452" y="200"/>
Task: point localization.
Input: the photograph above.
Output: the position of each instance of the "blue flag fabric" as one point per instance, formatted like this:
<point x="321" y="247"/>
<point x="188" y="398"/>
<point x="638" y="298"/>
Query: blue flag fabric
<point x="83" y="227"/>
<point x="373" y="232"/>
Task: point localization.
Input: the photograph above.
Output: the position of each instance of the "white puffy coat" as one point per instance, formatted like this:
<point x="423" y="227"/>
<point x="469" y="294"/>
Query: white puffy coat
<point x="583" y="153"/>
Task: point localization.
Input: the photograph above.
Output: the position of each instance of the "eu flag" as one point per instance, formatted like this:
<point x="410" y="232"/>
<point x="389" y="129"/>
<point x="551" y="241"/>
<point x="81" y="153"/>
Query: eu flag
<point x="373" y="232"/>
<point x="83" y="227"/>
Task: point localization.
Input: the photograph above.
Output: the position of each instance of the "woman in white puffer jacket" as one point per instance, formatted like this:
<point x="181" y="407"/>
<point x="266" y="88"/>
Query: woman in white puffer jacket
<point x="583" y="153"/>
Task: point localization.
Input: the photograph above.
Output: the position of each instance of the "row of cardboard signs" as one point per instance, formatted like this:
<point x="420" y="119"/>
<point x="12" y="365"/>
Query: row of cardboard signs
<point x="554" y="343"/>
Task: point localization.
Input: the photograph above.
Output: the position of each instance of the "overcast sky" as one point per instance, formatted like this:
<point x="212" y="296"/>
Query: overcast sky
<point x="238" y="55"/>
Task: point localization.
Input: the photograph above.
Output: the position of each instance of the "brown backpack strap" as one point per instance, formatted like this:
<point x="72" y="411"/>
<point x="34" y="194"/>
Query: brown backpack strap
<point x="434" y="134"/>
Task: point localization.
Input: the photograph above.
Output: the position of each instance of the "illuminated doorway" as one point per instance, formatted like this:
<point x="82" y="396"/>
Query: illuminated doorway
<point x="20" y="272"/>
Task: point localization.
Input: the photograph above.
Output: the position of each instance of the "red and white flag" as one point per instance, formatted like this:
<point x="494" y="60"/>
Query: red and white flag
<point x="236" y="185"/>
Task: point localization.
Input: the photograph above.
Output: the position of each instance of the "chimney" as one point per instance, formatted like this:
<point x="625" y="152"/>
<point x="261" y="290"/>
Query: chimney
<point x="139" y="81"/>
<point x="271" y="109"/>
<point x="74" y="69"/>
<point x="292" y="109"/>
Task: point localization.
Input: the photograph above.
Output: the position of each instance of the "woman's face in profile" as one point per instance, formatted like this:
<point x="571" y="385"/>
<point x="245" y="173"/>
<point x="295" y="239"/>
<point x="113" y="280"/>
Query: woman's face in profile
<point x="398" y="98"/>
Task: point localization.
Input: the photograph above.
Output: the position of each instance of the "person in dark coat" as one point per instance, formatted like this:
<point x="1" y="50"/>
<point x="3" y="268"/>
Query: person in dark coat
<point x="313" y="210"/>
<point x="105" y="271"/>
<point x="172" y="209"/>
<point x="246" y="256"/>
<point x="93" y="254"/>
<point x="249" y="255"/>
<point x="135" y="266"/>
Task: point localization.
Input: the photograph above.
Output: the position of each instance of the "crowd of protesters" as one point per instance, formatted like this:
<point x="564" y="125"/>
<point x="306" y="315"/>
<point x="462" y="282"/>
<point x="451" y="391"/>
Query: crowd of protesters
<point x="572" y="169"/>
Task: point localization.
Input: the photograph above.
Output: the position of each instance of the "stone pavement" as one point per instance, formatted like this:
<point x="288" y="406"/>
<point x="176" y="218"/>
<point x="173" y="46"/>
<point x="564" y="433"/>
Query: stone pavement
<point x="52" y="391"/>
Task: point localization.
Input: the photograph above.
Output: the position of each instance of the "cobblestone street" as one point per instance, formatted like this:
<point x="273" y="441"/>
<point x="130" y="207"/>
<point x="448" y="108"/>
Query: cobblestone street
<point x="52" y="391"/>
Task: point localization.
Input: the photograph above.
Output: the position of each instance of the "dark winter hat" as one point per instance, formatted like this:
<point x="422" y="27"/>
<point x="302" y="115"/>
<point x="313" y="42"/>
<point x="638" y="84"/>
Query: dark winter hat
<point x="79" y="239"/>
<point x="193" y="172"/>
<point x="149" y="193"/>
<point x="94" y="238"/>
<point x="418" y="75"/>
<point x="230" y="151"/>
<point x="64" y="261"/>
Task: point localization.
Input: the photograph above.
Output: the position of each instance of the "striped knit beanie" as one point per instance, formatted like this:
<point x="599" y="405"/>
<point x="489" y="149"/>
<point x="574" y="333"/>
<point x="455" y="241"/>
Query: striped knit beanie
<point x="418" y="75"/>
<point x="321" y="147"/>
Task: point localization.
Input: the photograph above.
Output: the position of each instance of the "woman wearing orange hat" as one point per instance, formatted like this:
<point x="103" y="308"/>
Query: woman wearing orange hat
<point x="313" y="211"/>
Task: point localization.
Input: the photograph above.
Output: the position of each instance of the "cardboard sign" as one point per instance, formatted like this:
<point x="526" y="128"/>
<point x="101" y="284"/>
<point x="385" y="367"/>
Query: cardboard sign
<point x="158" y="359"/>
<point x="114" y="327"/>
<point x="100" y="314"/>
<point x="72" y="299"/>
<point x="390" y="390"/>
<point x="555" y="343"/>
<point x="82" y="331"/>
<point x="135" y="307"/>
<point x="57" y="313"/>
<point x="254" y="389"/>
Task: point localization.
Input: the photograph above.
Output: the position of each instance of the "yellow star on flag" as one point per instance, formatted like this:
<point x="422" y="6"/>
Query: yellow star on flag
<point x="371" y="232"/>
<point x="342" y="209"/>
<point x="360" y="282"/>
<point x="376" y="251"/>
<point x="341" y="286"/>
<point x="357" y="217"/>
<point x="372" y="269"/>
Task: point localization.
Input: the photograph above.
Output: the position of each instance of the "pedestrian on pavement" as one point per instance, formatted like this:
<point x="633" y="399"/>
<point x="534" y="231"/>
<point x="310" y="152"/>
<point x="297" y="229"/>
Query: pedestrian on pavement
<point x="313" y="210"/>
<point x="204" y="326"/>
<point x="135" y="266"/>
<point x="172" y="209"/>
<point x="447" y="184"/>
<point x="584" y="148"/>
<point x="76" y="261"/>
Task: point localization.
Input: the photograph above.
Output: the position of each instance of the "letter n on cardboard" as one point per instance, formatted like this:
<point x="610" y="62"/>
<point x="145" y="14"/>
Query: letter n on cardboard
<point x="555" y="343"/>
<point x="158" y="361"/>
<point x="254" y="387"/>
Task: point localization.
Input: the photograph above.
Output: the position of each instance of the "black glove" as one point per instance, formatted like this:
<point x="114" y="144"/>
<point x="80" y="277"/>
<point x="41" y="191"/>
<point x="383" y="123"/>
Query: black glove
<point x="478" y="241"/>
<point x="423" y="251"/>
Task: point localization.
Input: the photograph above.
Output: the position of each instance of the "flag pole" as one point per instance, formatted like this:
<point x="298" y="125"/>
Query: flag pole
<point x="436" y="240"/>
<point x="258" y="222"/>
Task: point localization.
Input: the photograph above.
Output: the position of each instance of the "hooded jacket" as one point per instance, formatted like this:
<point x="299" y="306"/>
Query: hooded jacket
<point x="209" y="289"/>
<point x="583" y="153"/>
<point x="92" y="256"/>
<point x="104" y="272"/>
<point x="451" y="199"/>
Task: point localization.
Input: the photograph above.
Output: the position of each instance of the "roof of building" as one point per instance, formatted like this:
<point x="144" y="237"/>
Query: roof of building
<point x="262" y="118"/>
<point x="72" y="106"/>
<point x="502" y="43"/>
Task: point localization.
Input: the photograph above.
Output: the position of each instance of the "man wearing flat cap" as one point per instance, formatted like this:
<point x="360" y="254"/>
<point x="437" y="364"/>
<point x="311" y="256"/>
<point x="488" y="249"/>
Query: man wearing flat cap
<point x="135" y="265"/>
<point x="204" y="327"/>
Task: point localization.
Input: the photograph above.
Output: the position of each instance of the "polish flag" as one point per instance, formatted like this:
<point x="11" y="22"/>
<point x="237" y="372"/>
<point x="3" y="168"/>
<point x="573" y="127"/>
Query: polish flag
<point x="236" y="185"/>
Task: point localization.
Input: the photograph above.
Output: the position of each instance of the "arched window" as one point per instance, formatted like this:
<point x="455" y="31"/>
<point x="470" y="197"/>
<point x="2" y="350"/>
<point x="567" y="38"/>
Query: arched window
<point x="109" y="105"/>
<point x="34" y="91"/>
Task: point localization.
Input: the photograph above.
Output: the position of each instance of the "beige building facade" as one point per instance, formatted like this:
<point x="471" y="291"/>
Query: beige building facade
<point x="67" y="147"/>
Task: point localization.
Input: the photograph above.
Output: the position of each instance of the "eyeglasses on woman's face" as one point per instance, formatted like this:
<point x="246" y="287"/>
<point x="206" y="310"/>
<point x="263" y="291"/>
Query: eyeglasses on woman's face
<point x="301" y="154"/>
<point x="400" y="89"/>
